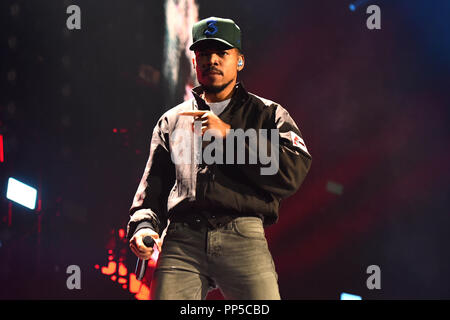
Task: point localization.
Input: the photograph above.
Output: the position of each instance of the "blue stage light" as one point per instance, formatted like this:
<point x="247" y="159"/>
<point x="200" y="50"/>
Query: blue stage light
<point x="348" y="296"/>
<point x="21" y="193"/>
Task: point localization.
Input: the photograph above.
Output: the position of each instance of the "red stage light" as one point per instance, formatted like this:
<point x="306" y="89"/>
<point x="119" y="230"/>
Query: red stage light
<point x="144" y="293"/>
<point x="110" y="269"/>
<point x="118" y="272"/>
<point x="122" y="269"/>
<point x="2" y="157"/>
<point x="135" y="284"/>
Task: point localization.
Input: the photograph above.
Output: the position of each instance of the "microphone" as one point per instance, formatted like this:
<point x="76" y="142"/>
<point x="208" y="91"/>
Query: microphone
<point x="141" y="265"/>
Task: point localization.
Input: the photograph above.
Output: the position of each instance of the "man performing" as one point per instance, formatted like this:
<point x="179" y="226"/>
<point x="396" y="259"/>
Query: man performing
<point x="207" y="217"/>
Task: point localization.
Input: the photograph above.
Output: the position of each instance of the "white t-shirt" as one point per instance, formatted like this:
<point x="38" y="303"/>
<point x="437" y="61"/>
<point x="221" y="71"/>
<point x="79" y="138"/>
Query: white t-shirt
<point x="218" y="107"/>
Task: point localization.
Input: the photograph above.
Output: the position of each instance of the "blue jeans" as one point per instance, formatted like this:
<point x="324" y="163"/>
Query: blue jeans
<point x="235" y="258"/>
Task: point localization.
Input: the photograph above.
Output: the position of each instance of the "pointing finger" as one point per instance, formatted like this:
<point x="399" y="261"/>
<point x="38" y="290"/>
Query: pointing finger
<point x="192" y="113"/>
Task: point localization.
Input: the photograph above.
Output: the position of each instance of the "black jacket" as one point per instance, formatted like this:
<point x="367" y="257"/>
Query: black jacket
<point x="168" y="188"/>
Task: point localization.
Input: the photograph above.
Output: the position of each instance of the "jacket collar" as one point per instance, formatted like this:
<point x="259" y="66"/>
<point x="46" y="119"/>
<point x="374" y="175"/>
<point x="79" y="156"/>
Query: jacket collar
<point x="240" y="94"/>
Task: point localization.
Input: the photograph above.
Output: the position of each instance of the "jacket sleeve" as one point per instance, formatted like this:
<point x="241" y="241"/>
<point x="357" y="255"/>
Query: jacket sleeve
<point x="294" y="159"/>
<point x="149" y="206"/>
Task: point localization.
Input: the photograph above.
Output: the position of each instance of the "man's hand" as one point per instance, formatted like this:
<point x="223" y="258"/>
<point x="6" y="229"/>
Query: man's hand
<point x="138" y="247"/>
<point x="209" y="121"/>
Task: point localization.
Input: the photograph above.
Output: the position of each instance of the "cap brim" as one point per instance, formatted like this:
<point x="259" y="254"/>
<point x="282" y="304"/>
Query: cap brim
<point x="203" y="42"/>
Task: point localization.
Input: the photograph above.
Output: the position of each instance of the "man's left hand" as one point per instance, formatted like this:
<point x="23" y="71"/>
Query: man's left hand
<point x="209" y="121"/>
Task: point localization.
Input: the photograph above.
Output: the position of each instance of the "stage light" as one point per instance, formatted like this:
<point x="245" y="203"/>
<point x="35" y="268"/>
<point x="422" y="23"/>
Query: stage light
<point x="2" y="156"/>
<point x="356" y="4"/>
<point x="110" y="269"/>
<point x="348" y="296"/>
<point x="21" y="193"/>
<point x="123" y="271"/>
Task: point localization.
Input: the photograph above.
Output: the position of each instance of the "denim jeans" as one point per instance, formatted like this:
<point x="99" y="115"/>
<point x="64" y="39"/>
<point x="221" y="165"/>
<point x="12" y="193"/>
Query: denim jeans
<point x="235" y="258"/>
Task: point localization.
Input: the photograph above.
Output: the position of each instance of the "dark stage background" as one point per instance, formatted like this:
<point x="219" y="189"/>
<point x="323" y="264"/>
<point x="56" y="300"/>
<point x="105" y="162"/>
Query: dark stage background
<point x="77" y="108"/>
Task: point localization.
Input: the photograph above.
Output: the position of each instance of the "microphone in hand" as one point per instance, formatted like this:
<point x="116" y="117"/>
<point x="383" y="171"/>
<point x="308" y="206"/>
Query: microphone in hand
<point x="141" y="265"/>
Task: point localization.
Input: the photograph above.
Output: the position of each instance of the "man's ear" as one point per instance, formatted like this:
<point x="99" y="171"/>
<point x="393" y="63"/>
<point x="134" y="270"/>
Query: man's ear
<point x="194" y="63"/>
<point x="241" y="62"/>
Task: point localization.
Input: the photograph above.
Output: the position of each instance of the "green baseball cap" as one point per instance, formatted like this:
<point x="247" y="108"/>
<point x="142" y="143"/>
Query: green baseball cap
<point x="218" y="29"/>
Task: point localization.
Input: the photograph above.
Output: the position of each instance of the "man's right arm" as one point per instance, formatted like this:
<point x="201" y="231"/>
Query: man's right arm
<point x="149" y="207"/>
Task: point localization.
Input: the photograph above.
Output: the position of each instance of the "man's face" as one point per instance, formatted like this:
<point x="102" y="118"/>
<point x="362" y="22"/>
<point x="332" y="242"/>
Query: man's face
<point x="216" y="66"/>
